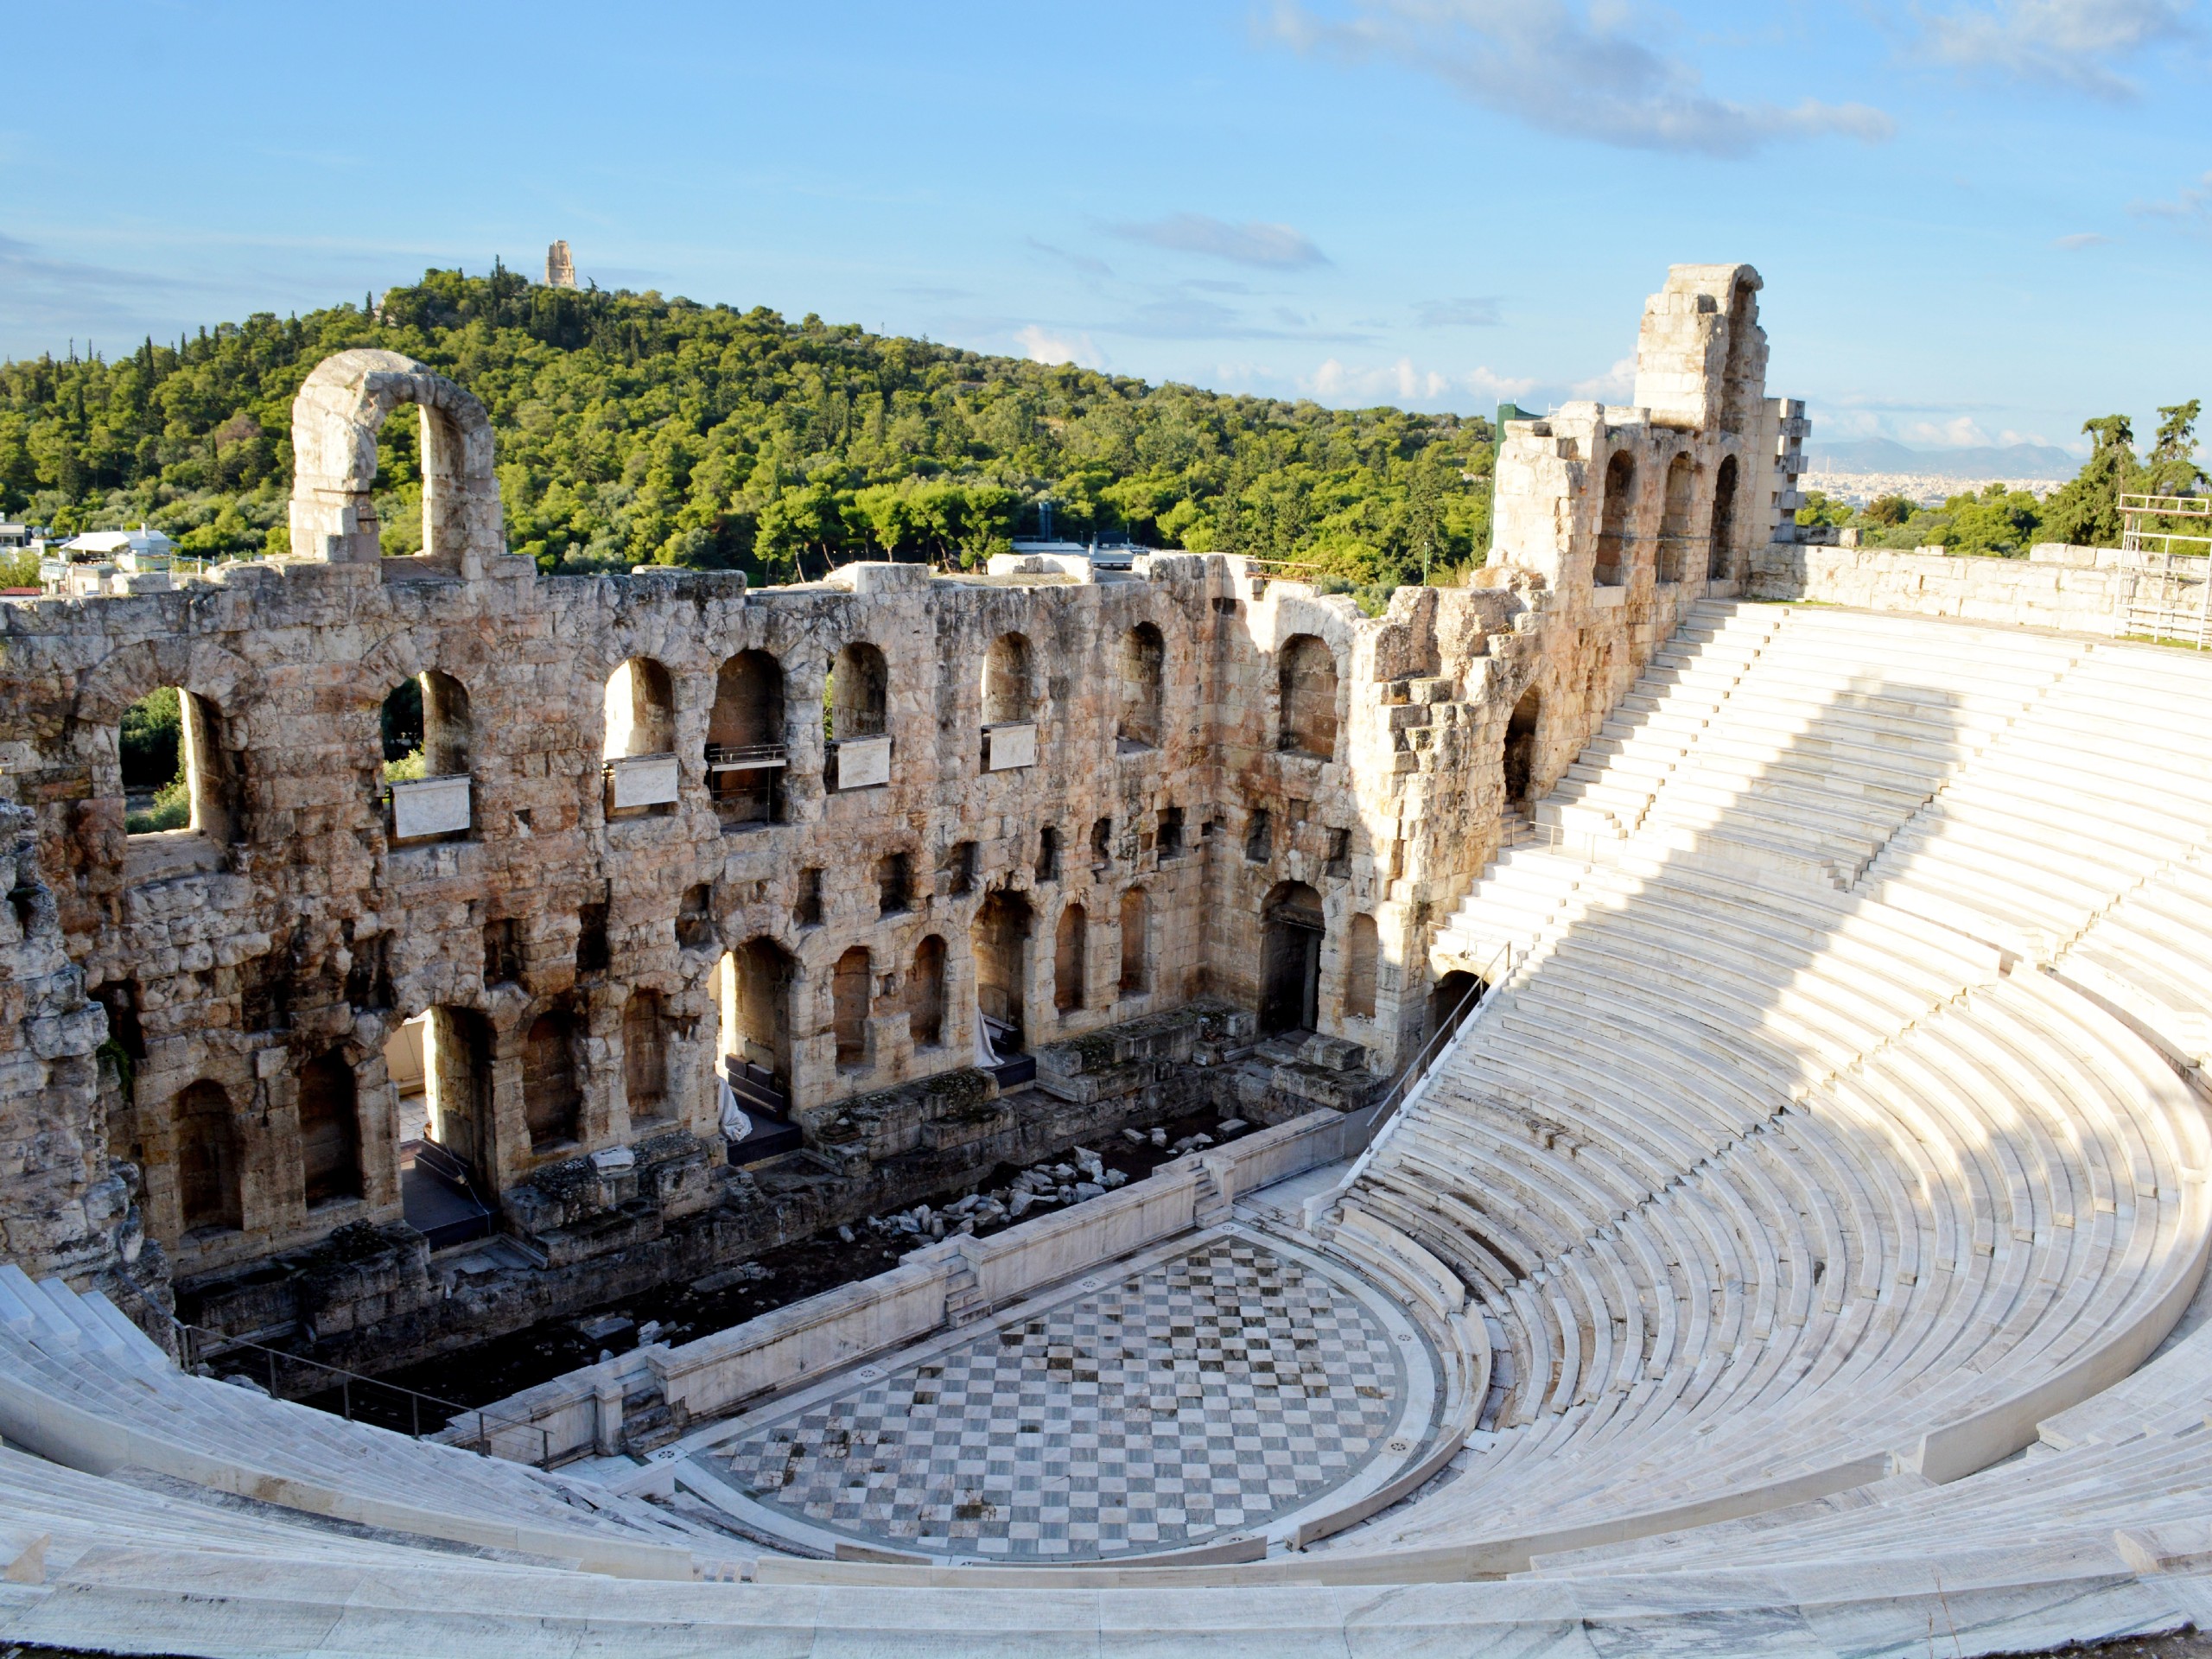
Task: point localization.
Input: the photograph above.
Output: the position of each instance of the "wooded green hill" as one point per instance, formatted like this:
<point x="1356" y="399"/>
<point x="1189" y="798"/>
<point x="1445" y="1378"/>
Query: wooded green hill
<point x="636" y="430"/>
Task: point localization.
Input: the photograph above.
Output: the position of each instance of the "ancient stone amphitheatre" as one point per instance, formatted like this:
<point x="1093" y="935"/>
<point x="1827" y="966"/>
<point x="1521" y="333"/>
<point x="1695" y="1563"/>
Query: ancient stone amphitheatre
<point x="1704" y="1034"/>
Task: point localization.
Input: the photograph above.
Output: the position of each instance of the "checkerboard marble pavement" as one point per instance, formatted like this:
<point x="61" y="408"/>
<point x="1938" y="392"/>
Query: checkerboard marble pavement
<point x="1199" y="1396"/>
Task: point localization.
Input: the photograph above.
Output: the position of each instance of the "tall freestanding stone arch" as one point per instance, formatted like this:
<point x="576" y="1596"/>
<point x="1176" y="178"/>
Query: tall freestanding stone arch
<point x="335" y="419"/>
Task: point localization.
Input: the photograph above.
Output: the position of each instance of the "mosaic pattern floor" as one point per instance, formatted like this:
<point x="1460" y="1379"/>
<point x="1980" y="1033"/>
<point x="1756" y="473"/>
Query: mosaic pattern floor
<point x="1197" y="1396"/>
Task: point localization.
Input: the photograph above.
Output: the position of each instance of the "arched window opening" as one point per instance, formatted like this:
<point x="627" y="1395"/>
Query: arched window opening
<point x="1144" y="656"/>
<point x="746" y="754"/>
<point x="1520" y="757"/>
<point x="1361" y="958"/>
<point x="1006" y="681"/>
<point x="416" y="506"/>
<point x="330" y="1130"/>
<point x="1136" y="943"/>
<point x="1308" y="697"/>
<point x="645" y="1057"/>
<point x="1453" y="1000"/>
<point x="207" y="1159"/>
<point x="1674" y="518"/>
<point x="1071" y="955"/>
<point x="856" y="717"/>
<point x="1721" y="552"/>
<point x="1293" y="931"/>
<point x="641" y="709"/>
<point x="856" y="695"/>
<point x="1048" y="855"/>
<point x="999" y="939"/>
<point x="176" y="773"/>
<point x="925" y="994"/>
<point x="429" y="743"/>
<point x="752" y="989"/>
<point x="640" y="744"/>
<point x="1101" y="844"/>
<point x="552" y="1101"/>
<point x="849" y="987"/>
<point x="1617" y="522"/>
<point x="1736" y="379"/>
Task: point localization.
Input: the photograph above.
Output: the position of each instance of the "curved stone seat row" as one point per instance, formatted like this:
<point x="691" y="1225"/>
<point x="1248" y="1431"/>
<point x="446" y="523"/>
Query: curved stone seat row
<point x="82" y="1386"/>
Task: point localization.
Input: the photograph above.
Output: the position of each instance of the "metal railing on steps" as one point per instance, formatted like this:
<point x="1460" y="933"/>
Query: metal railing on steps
<point x="198" y="1347"/>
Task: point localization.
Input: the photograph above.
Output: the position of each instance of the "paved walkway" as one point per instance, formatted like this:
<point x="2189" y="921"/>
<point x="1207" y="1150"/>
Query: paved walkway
<point x="1204" y="1390"/>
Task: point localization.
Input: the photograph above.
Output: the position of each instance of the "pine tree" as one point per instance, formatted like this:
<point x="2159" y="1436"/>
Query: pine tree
<point x="2086" y="513"/>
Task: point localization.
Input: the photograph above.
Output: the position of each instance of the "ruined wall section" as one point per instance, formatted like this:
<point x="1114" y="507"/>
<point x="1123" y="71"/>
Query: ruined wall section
<point x="1627" y="516"/>
<point x="1301" y="773"/>
<point x="242" y="962"/>
<point x="64" y="1208"/>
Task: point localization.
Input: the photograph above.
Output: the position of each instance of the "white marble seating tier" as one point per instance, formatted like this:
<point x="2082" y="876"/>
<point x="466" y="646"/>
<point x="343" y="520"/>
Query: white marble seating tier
<point x="1756" y="1178"/>
<point x="80" y="1384"/>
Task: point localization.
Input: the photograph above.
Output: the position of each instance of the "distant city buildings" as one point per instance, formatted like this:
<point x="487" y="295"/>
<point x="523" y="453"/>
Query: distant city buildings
<point x="1923" y="489"/>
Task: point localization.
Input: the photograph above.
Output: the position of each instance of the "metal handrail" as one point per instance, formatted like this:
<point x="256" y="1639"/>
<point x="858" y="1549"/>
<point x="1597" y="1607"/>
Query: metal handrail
<point x="746" y="755"/>
<point x="2171" y="506"/>
<point x="1426" y="1055"/>
<point x="191" y="1356"/>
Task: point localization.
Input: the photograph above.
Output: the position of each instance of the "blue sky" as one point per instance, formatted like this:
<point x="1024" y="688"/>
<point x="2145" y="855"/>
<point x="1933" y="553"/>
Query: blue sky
<point x="1978" y="219"/>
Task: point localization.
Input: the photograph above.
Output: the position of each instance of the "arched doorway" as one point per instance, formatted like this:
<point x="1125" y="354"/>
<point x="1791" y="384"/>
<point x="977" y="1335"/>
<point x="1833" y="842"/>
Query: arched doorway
<point x="1453" y="1000"/>
<point x="207" y="1159"/>
<point x="1292" y="932"/>
<point x="1616" y="523"/>
<point x="999" y="939"/>
<point x="1521" y="745"/>
<point x="1306" y="697"/>
<point x="1674" y="518"/>
<point x="1719" y="556"/>
<point x="1144" y="654"/>
<point x="551" y="1097"/>
<point x="330" y="1130"/>
<point x="850" y="983"/>
<point x="754" y="989"/>
<point x="1070" y="959"/>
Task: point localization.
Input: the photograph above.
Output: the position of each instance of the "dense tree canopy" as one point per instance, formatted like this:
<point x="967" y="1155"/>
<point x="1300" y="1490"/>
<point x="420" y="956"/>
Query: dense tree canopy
<point x="635" y="430"/>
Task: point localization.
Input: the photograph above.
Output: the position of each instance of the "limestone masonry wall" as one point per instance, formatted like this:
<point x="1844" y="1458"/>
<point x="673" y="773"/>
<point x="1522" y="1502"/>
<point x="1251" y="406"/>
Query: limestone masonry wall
<point x="2075" y="589"/>
<point x="668" y="824"/>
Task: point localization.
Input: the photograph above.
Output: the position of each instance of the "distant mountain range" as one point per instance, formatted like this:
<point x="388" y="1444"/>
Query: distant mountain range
<point x="1990" y="460"/>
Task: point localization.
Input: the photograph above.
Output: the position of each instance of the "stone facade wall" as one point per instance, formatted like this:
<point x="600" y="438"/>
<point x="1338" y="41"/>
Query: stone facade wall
<point x="2073" y="589"/>
<point x="1299" y="766"/>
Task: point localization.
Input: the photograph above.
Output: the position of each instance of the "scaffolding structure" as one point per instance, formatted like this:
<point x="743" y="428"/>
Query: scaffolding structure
<point x="2173" y="591"/>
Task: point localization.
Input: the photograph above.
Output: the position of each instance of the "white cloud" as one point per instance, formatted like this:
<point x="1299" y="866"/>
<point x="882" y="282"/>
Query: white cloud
<point x="2081" y="240"/>
<point x="1277" y="247"/>
<point x="1042" y="346"/>
<point x="1959" y="432"/>
<point x="1504" y="388"/>
<point x="2193" y="203"/>
<point x="1582" y="75"/>
<point x="1336" y="381"/>
<point x="2068" y="43"/>
<point x="1616" y="386"/>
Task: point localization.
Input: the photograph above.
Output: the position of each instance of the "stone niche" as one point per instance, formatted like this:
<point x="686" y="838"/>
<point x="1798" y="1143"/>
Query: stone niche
<point x="1174" y="836"/>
